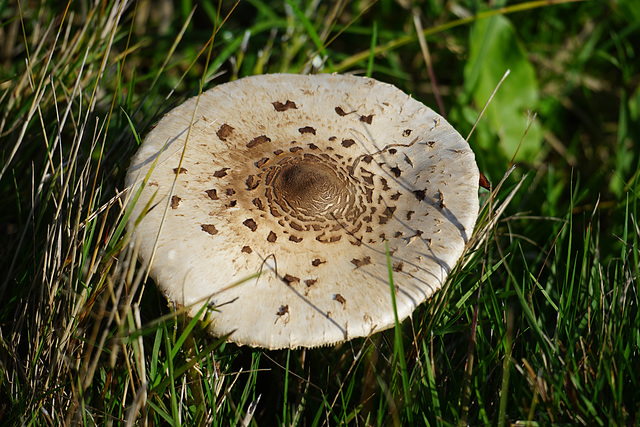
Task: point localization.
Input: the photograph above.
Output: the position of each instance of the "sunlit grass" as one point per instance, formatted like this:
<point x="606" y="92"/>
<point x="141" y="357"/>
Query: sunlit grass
<point x="538" y="323"/>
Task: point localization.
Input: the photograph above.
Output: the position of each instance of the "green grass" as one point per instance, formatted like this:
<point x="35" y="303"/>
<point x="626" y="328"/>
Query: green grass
<point x="538" y="324"/>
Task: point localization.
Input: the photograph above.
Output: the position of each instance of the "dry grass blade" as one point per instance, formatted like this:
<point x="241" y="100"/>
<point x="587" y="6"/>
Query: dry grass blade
<point x="491" y="213"/>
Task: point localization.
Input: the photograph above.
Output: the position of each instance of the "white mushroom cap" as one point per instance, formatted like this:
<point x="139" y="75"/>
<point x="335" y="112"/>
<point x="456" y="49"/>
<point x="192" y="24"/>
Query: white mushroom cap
<point x="303" y="178"/>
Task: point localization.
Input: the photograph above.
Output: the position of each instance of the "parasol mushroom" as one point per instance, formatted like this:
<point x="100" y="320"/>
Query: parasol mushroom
<point x="302" y="179"/>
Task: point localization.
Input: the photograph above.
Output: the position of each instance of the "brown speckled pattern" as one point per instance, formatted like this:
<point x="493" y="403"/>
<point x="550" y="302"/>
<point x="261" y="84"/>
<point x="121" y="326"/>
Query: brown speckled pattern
<point x="296" y="183"/>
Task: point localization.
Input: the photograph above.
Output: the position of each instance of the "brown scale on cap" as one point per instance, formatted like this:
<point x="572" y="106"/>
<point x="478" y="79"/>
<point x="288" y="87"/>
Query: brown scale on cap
<point x="212" y="193"/>
<point x="360" y="262"/>
<point x="279" y="106"/>
<point x="250" y="224"/>
<point x="307" y="129"/>
<point x="289" y="279"/>
<point x="283" y="313"/>
<point x="209" y="229"/>
<point x="299" y="189"/>
<point x="261" y="139"/>
<point x="346" y="143"/>
<point x="224" y="132"/>
<point x="367" y="119"/>
<point x="221" y="173"/>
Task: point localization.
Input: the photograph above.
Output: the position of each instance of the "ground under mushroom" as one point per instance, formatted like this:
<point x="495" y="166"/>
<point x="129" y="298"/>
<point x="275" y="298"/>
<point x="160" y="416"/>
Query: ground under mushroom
<point x="303" y="179"/>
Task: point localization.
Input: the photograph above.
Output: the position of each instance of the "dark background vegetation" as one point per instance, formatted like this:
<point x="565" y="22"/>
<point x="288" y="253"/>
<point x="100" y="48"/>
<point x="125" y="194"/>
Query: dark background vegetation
<point x="540" y="322"/>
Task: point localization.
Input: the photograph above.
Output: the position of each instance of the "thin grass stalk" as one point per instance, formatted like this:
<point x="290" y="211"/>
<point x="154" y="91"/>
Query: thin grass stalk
<point x="506" y="369"/>
<point x="399" y="354"/>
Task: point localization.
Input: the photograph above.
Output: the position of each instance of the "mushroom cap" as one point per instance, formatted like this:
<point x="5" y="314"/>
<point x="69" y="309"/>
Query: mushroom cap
<point x="302" y="179"/>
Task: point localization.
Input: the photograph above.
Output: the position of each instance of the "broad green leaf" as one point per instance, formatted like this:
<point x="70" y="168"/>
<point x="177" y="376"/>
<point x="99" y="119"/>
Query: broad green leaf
<point x="494" y="49"/>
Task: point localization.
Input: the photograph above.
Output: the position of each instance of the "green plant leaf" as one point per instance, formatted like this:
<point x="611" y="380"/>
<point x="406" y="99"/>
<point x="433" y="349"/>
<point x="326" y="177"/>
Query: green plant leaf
<point x="629" y="9"/>
<point x="507" y="113"/>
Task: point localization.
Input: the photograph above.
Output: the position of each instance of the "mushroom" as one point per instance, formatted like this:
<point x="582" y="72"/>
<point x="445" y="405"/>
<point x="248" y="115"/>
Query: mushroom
<point x="272" y="198"/>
